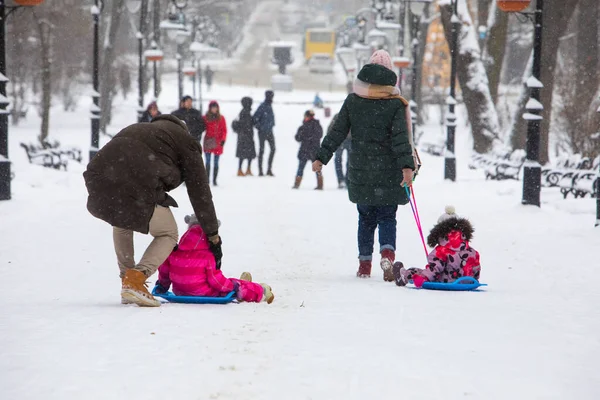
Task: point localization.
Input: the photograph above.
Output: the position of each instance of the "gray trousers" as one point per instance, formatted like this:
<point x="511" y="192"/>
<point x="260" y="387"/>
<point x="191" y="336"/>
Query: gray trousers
<point x="164" y="230"/>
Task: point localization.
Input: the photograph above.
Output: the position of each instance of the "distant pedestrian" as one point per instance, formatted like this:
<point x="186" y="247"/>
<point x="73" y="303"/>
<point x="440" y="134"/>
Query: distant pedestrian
<point x="208" y="74"/>
<point x="192" y="117"/>
<point x="214" y="140"/>
<point x="150" y="113"/>
<point x="264" y="121"/>
<point x="244" y="127"/>
<point x="309" y="135"/>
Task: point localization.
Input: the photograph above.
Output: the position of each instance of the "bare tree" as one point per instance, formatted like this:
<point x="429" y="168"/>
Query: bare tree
<point x="473" y="80"/>
<point x="555" y="19"/>
<point x="495" y="45"/>
<point x="107" y="74"/>
<point x="45" y="30"/>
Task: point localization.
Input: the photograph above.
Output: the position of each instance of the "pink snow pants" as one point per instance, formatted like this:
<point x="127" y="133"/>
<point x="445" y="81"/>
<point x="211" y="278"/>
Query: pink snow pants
<point x="249" y="291"/>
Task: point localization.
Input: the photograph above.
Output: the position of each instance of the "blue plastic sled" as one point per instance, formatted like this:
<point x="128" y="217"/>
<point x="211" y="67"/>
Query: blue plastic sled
<point x="461" y="284"/>
<point x="172" y="298"/>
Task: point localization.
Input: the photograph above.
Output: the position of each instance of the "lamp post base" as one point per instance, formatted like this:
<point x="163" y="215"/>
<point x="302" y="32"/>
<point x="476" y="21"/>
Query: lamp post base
<point x="532" y="185"/>
<point x="93" y="153"/>
<point x="4" y="180"/>
<point x="450" y="169"/>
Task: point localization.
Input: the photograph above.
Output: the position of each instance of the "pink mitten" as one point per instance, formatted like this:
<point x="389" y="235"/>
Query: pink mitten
<point x="419" y="280"/>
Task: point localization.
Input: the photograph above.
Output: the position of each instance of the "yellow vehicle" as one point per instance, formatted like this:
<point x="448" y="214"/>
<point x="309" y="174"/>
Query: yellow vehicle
<point x="319" y="41"/>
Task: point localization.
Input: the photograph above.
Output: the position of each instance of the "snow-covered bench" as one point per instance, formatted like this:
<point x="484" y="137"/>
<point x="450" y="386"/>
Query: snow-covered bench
<point x="486" y="161"/>
<point x="435" y="149"/>
<point x="507" y="169"/>
<point x="581" y="182"/>
<point x="552" y="174"/>
<point x="45" y="158"/>
<point x="72" y="153"/>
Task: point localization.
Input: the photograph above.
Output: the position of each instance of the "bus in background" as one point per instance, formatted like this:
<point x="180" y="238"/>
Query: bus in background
<point x="319" y="41"/>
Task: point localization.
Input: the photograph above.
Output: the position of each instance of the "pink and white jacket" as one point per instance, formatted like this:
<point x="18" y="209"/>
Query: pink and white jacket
<point x="192" y="270"/>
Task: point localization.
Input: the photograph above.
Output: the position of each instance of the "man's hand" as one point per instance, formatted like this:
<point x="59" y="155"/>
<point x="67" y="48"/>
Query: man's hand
<point x="317" y="166"/>
<point x="407" y="177"/>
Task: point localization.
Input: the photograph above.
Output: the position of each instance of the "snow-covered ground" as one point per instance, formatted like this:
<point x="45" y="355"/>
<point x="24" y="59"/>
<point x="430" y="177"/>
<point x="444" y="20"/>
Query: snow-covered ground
<point x="532" y="334"/>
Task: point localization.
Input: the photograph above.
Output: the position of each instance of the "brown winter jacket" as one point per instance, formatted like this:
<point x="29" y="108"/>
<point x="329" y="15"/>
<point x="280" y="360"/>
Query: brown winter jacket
<point x="135" y="170"/>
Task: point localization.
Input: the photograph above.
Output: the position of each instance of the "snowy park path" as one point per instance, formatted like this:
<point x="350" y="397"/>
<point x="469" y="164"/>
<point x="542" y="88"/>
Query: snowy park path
<point x="532" y="334"/>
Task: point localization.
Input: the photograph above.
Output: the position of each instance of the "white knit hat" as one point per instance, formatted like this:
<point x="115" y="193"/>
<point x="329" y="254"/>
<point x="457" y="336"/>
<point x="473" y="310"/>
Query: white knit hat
<point x="450" y="213"/>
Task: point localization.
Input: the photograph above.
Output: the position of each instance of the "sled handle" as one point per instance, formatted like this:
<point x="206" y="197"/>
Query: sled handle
<point x="466" y="279"/>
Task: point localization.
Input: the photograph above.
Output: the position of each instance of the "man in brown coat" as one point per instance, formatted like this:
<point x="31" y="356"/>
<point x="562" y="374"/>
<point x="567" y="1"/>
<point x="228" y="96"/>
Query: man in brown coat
<point x="128" y="181"/>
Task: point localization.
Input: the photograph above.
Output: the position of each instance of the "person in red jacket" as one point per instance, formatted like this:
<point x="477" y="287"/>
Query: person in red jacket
<point x="214" y="139"/>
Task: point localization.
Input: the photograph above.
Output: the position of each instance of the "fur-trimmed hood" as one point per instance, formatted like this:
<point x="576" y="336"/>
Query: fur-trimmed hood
<point x="443" y="229"/>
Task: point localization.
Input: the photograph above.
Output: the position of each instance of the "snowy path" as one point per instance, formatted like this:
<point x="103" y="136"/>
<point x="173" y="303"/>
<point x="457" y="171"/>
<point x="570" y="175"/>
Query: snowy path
<point x="532" y="335"/>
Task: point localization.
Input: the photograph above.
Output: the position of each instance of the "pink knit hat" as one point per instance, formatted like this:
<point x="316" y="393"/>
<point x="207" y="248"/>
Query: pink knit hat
<point x="382" y="57"/>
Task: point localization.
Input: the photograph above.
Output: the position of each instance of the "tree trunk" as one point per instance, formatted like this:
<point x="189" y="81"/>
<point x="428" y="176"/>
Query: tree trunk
<point x="495" y="47"/>
<point x="107" y="73"/>
<point x="556" y="19"/>
<point x="518" y="137"/>
<point x="473" y="80"/>
<point x="586" y="75"/>
<point x="483" y="9"/>
<point x="45" y="35"/>
<point x="423" y="29"/>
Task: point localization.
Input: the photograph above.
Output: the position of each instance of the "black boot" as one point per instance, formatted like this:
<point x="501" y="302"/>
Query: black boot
<point x="215" y="176"/>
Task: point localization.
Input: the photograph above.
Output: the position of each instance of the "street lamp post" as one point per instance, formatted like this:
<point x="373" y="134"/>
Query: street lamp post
<point x="95" y="112"/>
<point x="4" y="161"/>
<point x="5" y="174"/>
<point x="135" y="6"/>
<point x="532" y="170"/>
<point x="449" y="156"/>
<point x="201" y="49"/>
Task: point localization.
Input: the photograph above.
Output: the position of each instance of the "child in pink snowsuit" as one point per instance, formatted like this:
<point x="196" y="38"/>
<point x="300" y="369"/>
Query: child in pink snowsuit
<point x="192" y="270"/>
<point x="451" y="258"/>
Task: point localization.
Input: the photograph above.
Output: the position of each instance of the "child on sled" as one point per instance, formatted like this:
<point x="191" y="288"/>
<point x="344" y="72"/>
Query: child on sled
<point x="192" y="270"/>
<point x="451" y="258"/>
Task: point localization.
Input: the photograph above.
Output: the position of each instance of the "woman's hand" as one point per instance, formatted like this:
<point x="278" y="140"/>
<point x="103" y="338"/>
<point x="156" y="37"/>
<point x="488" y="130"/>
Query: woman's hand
<point x="407" y="177"/>
<point x="317" y="166"/>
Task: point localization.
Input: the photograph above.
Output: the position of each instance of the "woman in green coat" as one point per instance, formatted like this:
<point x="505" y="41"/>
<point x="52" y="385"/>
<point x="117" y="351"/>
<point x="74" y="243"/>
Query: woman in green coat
<point x="381" y="159"/>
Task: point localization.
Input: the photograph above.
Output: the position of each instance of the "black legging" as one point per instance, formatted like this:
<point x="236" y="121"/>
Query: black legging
<point x="266" y="137"/>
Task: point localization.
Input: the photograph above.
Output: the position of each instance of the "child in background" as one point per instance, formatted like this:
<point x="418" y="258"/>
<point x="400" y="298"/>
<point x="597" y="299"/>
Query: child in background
<point x="451" y="258"/>
<point x="214" y="139"/>
<point x="309" y="135"/>
<point x="192" y="270"/>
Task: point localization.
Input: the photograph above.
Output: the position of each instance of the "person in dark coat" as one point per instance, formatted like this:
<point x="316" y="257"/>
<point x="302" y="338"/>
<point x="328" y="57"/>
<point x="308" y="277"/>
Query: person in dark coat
<point x="192" y="117"/>
<point x="264" y="121"/>
<point x="244" y="127"/>
<point x="381" y="159"/>
<point x="128" y="183"/>
<point x="208" y="74"/>
<point x="309" y="135"/>
<point x="150" y="113"/>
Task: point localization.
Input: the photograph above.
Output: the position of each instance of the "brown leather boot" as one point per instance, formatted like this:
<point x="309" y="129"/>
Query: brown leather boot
<point x="387" y="261"/>
<point x="134" y="290"/>
<point x="298" y="182"/>
<point x="249" y="172"/>
<point x="319" y="181"/>
<point x="240" y="173"/>
<point x="364" y="269"/>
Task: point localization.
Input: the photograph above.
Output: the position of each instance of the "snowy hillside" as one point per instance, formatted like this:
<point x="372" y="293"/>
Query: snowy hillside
<point x="532" y="334"/>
